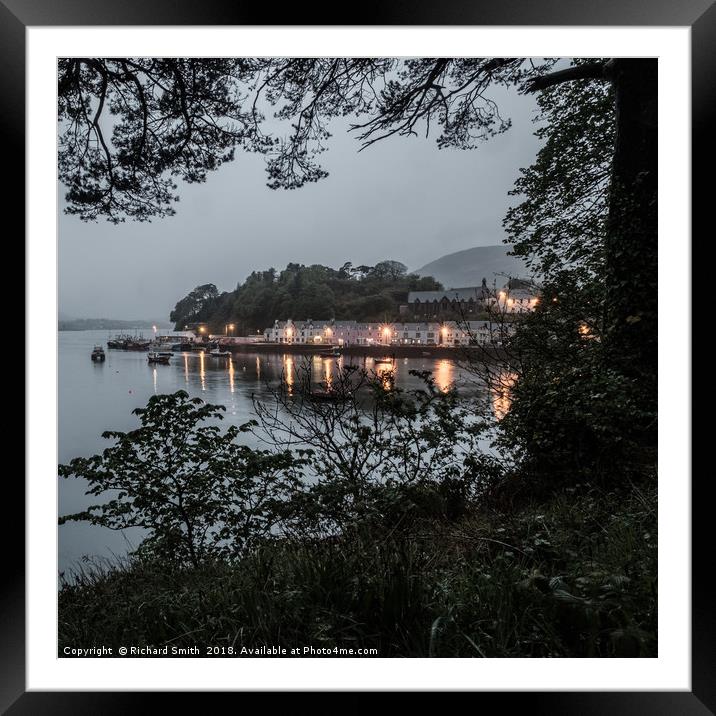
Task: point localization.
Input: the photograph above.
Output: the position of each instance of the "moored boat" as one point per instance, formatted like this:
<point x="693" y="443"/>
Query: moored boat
<point x="162" y="357"/>
<point x="98" y="355"/>
<point x="218" y="353"/>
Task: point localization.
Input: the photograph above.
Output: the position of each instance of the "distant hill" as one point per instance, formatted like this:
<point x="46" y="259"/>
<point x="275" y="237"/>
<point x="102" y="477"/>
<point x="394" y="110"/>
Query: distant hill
<point x="105" y="324"/>
<point x="469" y="267"/>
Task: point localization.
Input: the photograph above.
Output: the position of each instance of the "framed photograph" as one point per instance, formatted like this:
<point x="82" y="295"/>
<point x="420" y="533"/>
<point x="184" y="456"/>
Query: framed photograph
<point x="366" y="344"/>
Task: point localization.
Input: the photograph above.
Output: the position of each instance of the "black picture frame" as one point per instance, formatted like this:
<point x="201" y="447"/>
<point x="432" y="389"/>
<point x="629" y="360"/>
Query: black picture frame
<point x="699" y="15"/>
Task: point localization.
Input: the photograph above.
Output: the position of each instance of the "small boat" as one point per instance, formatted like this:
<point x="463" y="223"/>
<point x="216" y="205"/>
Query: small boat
<point x="331" y="352"/>
<point x="98" y="355"/>
<point x="161" y="357"/>
<point x="218" y="353"/>
<point x="379" y="361"/>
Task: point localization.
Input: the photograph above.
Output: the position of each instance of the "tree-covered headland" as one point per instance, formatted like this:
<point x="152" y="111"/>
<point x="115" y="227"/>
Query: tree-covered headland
<point x="362" y="293"/>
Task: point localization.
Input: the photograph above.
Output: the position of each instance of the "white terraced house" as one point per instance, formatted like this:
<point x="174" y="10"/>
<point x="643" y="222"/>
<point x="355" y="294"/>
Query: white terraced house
<point x="428" y="333"/>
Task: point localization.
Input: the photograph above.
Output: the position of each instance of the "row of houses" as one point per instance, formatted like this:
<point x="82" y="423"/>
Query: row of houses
<point x="516" y="296"/>
<point x="426" y="333"/>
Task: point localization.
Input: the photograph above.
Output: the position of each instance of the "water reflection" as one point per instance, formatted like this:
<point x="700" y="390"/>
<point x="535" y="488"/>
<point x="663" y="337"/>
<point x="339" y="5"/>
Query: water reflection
<point x="501" y="392"/>
<point x="386" y="372"/>
<point x="288" y="373"/>
<point x="328" y="372"/>
<point x="202" y="369"/>
<point x="226" y="380"/>
<point x="324" y="370"/>
<point x="444" y="375"/>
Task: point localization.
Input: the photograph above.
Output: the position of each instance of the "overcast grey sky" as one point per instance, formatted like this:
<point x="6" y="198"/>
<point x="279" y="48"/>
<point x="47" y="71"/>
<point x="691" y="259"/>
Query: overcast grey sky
<point x="400" y="199"/>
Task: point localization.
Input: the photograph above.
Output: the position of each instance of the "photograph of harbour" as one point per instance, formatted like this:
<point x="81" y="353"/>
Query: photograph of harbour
<point x="357" y="357"/>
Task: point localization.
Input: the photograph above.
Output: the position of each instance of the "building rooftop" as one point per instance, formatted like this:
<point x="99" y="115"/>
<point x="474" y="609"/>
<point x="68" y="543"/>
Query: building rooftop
<point x="452" y="294"/>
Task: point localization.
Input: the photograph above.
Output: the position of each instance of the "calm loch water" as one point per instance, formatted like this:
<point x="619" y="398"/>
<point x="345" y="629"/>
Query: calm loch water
<point x="94" y="397"/>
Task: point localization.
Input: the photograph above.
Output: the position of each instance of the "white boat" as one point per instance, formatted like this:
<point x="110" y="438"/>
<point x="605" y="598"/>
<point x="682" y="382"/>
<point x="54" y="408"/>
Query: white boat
<point x="217" y="353"/>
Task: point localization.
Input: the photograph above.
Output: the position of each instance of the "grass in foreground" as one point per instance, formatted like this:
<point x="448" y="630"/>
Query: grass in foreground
<point x="572" y="576"/>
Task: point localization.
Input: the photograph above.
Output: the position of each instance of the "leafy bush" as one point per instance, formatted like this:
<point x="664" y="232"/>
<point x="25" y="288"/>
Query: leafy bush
<point x="191" y="486"/>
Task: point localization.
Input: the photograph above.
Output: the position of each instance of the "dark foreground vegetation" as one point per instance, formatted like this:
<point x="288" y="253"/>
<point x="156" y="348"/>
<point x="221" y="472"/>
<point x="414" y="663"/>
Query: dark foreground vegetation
<point x="370" y="521"/>
<point x="568" y="576"/>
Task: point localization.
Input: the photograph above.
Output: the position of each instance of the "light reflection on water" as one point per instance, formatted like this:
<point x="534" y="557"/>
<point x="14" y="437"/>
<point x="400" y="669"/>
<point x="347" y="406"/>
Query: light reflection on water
<point x="202" y="369"/>
<point x="444" y="375"/>
<point x="94" y="397"/>
<point x="501" y="393"/>
<point x="288" y="371"/>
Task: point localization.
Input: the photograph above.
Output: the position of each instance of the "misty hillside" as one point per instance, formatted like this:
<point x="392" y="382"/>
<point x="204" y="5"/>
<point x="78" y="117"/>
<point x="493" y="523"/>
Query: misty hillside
<point x="469" y="267"/>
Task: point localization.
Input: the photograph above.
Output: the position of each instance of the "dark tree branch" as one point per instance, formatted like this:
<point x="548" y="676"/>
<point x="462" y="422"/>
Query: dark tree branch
<point x="590" y="71"/>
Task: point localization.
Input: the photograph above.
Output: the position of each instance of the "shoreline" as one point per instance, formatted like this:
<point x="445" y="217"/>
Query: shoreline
<point x="374" y="351"/>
